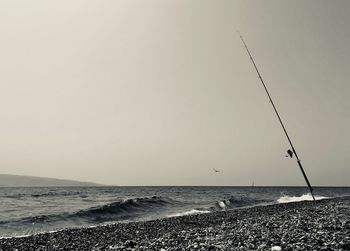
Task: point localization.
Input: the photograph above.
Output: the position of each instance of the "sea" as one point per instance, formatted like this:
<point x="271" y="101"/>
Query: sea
<point x="31" y="210"/>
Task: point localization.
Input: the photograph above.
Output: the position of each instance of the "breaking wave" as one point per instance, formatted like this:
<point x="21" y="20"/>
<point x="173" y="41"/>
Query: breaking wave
<point x="239" y="202"/>
<point x="304" y="197"/>
<point x="119" y="210"/>
<point x="190" y="212"/>
<point x="124" y="209"/>
<point x="137" y="208"/>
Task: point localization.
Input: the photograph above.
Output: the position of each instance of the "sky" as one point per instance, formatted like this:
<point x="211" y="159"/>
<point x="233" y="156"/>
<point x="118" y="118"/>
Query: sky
<point x="160" y="92"/>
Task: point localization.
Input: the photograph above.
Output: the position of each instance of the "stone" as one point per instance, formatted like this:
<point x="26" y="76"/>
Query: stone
<point x="276" y="248"/>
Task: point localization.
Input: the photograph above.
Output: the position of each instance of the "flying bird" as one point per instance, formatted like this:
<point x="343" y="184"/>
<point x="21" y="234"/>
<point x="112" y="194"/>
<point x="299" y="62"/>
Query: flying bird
<point x="216" y="170"/>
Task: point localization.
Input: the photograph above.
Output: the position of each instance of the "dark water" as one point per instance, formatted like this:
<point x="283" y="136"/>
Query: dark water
<point x="32" y="210"/>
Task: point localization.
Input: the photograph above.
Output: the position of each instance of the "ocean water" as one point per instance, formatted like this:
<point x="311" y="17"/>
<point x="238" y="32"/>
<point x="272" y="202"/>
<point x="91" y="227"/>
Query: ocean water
<point x="26" y="211"/>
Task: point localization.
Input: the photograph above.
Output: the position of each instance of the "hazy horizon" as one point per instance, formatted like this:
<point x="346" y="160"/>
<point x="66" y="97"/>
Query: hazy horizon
<point x="161" y="92"/>
<point x="116" y="185"/>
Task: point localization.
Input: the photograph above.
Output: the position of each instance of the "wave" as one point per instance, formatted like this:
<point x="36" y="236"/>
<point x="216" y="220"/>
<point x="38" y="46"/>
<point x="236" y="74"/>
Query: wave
<point x="124" y="209"/>
<point x="236" y="202"/>
<point x="304" y="197"/>
<point x="190" y="212"/>
<point x="143" y="208"/>
<point x="119" y="210"/>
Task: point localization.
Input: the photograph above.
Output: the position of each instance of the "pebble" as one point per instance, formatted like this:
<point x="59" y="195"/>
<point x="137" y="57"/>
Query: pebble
<point x="276" y="248"/>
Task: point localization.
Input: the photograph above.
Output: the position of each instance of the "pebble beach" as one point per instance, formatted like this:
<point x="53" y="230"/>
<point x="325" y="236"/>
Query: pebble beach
<point x="305" y="225"/>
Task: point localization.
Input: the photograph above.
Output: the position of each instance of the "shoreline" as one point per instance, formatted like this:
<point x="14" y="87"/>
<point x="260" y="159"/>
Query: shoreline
<point x="305" y="225"/>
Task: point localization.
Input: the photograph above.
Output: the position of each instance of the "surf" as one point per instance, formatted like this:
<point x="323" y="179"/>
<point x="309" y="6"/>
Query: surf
<point x="304" y="197"/>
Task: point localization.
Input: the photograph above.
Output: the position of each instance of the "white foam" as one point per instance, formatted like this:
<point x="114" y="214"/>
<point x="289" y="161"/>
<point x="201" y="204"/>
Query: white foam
<point x="222" y="204"/>
<point x="190" y="212"/>
<point x="287" y="199"/>
<point x="27" y="235"/>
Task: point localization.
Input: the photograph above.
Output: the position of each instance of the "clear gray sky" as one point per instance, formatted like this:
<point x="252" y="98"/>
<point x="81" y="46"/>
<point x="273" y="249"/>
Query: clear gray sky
<point x="159" y="92"/>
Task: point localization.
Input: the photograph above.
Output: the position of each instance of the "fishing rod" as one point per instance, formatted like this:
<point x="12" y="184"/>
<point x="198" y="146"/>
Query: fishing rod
<point x="280" y="120"/>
